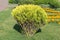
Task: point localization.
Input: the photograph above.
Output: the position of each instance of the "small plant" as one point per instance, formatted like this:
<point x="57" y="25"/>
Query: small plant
<point x="30" y="18"/>
<point x="13" y="1"/>
<point x="38" y="2"/>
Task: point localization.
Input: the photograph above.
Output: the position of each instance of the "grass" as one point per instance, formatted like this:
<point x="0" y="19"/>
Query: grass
<point x="7" y="31"/>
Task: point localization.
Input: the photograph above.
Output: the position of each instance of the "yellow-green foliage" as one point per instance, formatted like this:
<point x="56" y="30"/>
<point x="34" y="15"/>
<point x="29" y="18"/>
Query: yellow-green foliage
<point x="30" y="17"/>
<point x="29" y="12"/>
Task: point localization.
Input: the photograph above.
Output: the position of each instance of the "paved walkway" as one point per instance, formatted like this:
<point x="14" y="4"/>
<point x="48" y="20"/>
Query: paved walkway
<point x="9" y="6"/>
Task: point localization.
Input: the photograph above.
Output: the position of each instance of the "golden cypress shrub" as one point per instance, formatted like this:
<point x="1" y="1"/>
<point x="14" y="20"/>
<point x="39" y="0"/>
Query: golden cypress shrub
<point x="30" y="17"/>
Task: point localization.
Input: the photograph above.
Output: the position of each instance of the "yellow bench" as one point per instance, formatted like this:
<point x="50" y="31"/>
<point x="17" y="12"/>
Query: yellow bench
<point x="53" y="15"/>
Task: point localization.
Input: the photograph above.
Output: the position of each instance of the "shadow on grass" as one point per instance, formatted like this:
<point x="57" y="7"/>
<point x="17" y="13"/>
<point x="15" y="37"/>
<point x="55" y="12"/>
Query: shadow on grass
<point x="39" y="30"/>
<point x="19" y="29"/>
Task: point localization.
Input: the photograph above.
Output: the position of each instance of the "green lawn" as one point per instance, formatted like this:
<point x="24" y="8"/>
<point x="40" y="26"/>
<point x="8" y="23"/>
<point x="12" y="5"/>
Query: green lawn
<point x="7" y="31"/>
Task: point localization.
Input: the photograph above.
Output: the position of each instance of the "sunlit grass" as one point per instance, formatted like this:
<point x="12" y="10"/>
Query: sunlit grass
<point x="7" y="31"/>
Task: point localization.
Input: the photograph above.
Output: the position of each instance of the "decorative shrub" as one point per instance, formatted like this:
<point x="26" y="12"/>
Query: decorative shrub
<point x="30" y="18"/>
<point x="55" y="3"/>
<point x="13" y="1"/>
<point x="28" y="1"/>
<point x="32" y="1"/>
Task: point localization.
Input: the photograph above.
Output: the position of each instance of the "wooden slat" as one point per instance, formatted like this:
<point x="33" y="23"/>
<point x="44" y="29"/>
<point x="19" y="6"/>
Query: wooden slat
<point x="51" y="10"/>
<point x="53" y="15"/>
